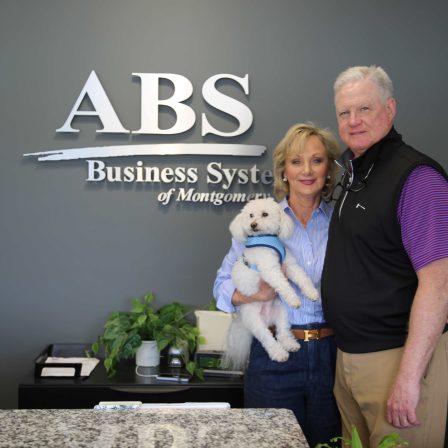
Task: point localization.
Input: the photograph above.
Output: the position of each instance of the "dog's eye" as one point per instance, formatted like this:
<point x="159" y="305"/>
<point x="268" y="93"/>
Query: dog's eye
<point x="251" y="215"/>
<point x="264" y="214"/>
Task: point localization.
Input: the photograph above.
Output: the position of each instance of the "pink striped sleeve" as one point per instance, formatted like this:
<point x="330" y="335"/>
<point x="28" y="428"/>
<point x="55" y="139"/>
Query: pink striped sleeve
<point x="423" y="216"/>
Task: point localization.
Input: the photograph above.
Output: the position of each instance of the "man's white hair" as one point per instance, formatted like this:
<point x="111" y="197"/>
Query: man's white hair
<point x="373" y="73"/>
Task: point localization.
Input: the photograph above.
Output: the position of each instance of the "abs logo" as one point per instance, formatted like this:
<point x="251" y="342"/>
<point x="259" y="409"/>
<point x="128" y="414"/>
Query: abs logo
<point x="150" y="106"/>
<point x="185" y="118"/>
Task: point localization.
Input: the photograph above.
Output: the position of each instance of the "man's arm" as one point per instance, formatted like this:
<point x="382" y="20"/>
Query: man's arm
<point x="428" y="316"/>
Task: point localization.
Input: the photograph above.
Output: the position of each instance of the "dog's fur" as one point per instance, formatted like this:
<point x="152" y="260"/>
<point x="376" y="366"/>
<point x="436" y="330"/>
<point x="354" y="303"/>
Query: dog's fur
<point x="261" y="217"/>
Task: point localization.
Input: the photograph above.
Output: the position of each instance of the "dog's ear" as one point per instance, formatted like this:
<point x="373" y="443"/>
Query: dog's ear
<point x="237" y="228"/>
<point x="286" y="225"/>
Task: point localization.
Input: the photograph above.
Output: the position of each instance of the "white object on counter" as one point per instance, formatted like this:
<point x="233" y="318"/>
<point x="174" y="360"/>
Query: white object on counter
<point x="192" y="405"/>
<point x="130" y="405"/>
<point x="214" y="326"/>
<point x="88" y="364"/>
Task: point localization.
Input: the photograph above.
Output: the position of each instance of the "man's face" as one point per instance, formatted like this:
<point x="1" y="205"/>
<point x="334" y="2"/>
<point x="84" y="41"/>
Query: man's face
<point x="363" y="117"/>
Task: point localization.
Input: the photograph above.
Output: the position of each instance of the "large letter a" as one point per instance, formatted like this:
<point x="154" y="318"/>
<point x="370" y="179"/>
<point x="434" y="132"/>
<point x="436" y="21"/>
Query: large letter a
<point x="102" y="108"/>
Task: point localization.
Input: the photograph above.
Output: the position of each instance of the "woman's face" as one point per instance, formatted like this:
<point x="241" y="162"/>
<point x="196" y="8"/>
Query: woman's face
<point x="308" y="169"/>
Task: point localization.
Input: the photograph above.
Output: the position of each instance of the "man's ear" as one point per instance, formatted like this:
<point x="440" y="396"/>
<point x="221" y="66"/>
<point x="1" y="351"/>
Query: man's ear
<point x="391" y="106"/>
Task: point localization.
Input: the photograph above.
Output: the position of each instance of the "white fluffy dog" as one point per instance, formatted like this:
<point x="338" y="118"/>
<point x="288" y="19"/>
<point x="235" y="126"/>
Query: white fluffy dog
<point x="262" y="225"/>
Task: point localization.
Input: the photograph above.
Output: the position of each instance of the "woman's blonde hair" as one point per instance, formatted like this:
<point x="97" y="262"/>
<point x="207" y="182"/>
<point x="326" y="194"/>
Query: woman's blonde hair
<point x="294" y="142"/>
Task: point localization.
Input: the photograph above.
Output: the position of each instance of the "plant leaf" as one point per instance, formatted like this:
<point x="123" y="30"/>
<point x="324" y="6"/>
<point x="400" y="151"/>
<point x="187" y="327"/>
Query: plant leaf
<point x="149" y="298"/>
<point x="356" y="440"/>
<point x="137" y="306"/>
<point x="392" y="440"/>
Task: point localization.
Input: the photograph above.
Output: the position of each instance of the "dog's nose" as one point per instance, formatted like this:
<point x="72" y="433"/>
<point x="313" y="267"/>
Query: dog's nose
<point x="254" y="225"/>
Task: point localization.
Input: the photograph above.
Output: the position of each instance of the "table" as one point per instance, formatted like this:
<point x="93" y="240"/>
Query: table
<point x="79" y="393"/>
<point x="173" y="428"/>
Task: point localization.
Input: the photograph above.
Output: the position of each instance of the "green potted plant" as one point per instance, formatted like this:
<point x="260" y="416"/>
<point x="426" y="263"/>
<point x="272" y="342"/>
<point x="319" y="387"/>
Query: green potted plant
<point x="392" y="440"/>
<point x="168" y="326"/>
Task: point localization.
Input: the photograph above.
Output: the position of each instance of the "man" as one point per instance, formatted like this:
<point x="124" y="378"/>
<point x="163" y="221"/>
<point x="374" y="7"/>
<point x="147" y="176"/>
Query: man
<point x="385" y="279"/>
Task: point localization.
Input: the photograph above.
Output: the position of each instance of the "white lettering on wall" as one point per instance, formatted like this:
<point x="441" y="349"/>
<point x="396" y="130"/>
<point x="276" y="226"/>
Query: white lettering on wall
<point x="179" y="178"/>
<point x="97" y="171"/>
<point x="226" y="104"/>
<point x="227" y="176"/>
<point x="150" y="103"/>
<point x="102" y="108"/>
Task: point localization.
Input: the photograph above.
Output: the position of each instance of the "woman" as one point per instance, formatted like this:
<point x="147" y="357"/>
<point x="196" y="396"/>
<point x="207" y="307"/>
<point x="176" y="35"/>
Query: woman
<point x="305" y="173"/>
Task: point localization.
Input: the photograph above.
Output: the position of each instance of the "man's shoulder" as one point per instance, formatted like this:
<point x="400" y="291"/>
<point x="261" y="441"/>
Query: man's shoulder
<point x="409" y="153"/>
<point x="408" y="158"/>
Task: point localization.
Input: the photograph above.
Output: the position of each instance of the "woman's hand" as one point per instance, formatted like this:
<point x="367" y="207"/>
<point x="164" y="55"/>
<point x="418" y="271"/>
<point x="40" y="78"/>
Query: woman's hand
<point x="264" y="294"/>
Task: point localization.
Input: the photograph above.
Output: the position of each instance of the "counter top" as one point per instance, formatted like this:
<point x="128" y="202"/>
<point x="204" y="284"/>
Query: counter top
<point x="158" y="428"/>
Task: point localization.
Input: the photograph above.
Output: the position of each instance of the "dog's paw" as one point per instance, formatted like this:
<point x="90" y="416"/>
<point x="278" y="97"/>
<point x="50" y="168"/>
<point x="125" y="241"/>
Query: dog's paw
<point x="278" y="354"/>
<point x="290" y="344"/>
<point x="292" y="300"/>
<point x="312" y="293"/>
<point x="294" y="303"/>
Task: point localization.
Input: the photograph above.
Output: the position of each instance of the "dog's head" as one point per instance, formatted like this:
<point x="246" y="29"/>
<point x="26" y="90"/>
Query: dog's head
<point x="261" y="217"/>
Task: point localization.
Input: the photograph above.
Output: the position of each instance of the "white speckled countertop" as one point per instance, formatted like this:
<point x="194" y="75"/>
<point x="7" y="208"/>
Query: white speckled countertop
<point x="161" y="428"/>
